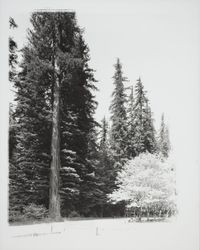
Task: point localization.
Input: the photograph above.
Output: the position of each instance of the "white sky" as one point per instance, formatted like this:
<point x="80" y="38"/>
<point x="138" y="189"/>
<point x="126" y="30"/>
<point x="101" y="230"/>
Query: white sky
<point x="158" y="40"/>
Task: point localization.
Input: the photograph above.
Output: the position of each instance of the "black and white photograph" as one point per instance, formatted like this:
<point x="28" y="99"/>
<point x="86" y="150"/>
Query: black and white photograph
<point x="100" y="118"/>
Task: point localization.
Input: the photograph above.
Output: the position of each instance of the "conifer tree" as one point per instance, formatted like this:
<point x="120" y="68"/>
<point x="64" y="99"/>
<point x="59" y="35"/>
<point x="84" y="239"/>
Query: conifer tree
<point x="105" y="170"/>
<point x="33" y="117"/>
<point x="12" y="76"/>
<point x="91" y="192"/>
<point x="118" y="132"/>
<point x="12" y="51"/>
<point x="130" y="124"/>
<point x="55" y="108"/>
<point x="103" y="146"/>
<point x="104" y="134"/>
<point x="78" y="125"/>
<point x="14" y="173"/>
<point x="139" y="115"/>
<point x="144" y="137"/>
<point x="149" y="135"/>
<point x="163" y="139"/>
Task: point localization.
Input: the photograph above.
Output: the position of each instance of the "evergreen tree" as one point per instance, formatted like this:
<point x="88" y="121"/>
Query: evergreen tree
<point x="33" y="116"/>
<point x="91" y="192"/>
<point x="149" y="135"/>
<point x="140" y="103"/>
<point x="55" y="108"/>
<point x="105" y="170"/>
<point x="163" y="139"/>
<point x="14" y="173"/>
<point x="12" y="76"/>
<point x="78" y="107"/>
<point x="104" y="135"/>
<point x="131" y="129"/>
<point x="104" y="145"/>
<point x="144" y="137"/>
<point x="118" y="116"/>
<point x="12" y="51"/>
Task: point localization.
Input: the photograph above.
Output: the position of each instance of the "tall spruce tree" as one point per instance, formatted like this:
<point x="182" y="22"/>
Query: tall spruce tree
<point x="14" y="173"/>
<point x="91" y="196"/>
<point x="163" y="138"/>
<point x="150" y="132"/>
<point x="144" y="132"/>
<point x="12" y="75"/>
<point x="118" y="132"/>
<point x="33" y="116"/>
<point x="105" y="168"/>
<point x="12" y="51"/>
<point x="54" y="112"/>
<point x="78" y="101"/>
<point x="130" y="124"/>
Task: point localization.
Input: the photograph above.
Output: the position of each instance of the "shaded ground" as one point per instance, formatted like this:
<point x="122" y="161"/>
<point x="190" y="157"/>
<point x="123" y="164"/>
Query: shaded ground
<point x="48" y="220"/>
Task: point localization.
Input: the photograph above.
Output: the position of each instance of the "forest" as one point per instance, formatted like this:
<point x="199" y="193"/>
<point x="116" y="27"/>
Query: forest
<point x="62" y="162"/>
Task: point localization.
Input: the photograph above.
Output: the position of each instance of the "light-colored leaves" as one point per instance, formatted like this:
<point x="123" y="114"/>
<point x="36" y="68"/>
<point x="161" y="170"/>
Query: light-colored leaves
<point x="145" y="180"/>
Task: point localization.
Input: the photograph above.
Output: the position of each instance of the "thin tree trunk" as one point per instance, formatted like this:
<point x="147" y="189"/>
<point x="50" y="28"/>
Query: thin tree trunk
<point x="54" y="199"/>
<point x="147" y="214"/>
<point x="140" y="214"/>
<point x="102" y="210"/>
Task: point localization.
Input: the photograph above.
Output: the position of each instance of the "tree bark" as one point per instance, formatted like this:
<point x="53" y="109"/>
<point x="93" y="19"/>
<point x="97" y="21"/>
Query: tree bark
<point x="140" y="214"/>
<point x="54" y="198"/>
<point x="147" y="214"/>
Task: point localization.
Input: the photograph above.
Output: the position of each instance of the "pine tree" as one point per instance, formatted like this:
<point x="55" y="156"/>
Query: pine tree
<point x="144" y="137"/>
<point x="54" y="94"/>
<point x="77" y="122"/>
<point x="33" y="113"/>
<point x="131" y="129"/>
<point x="163" y="139"/>
<point x="105" y="171"/>
<point x="12" y="75"/>
<point x="33" y="117"/>
<point x="12" y="51"/>
<point x="104" y="134"/>
<point x="104" y="145"/>
<point x="139" y="117"/>
<point x="118" y="116"/>
<point x="14" y="173"/>
<point x="149" y="135"/>
<point x="91" y="195"/>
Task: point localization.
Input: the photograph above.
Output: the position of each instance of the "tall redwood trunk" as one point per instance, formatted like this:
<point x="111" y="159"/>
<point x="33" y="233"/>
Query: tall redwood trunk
<point x="54" y="198"/>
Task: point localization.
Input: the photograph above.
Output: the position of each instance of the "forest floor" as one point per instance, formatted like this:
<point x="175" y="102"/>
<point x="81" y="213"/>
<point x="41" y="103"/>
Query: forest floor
<point x="118" y="234"/>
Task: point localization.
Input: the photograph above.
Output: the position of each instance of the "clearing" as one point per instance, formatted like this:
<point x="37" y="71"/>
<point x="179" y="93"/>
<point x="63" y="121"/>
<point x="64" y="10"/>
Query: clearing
<point x="118" y="234"/>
